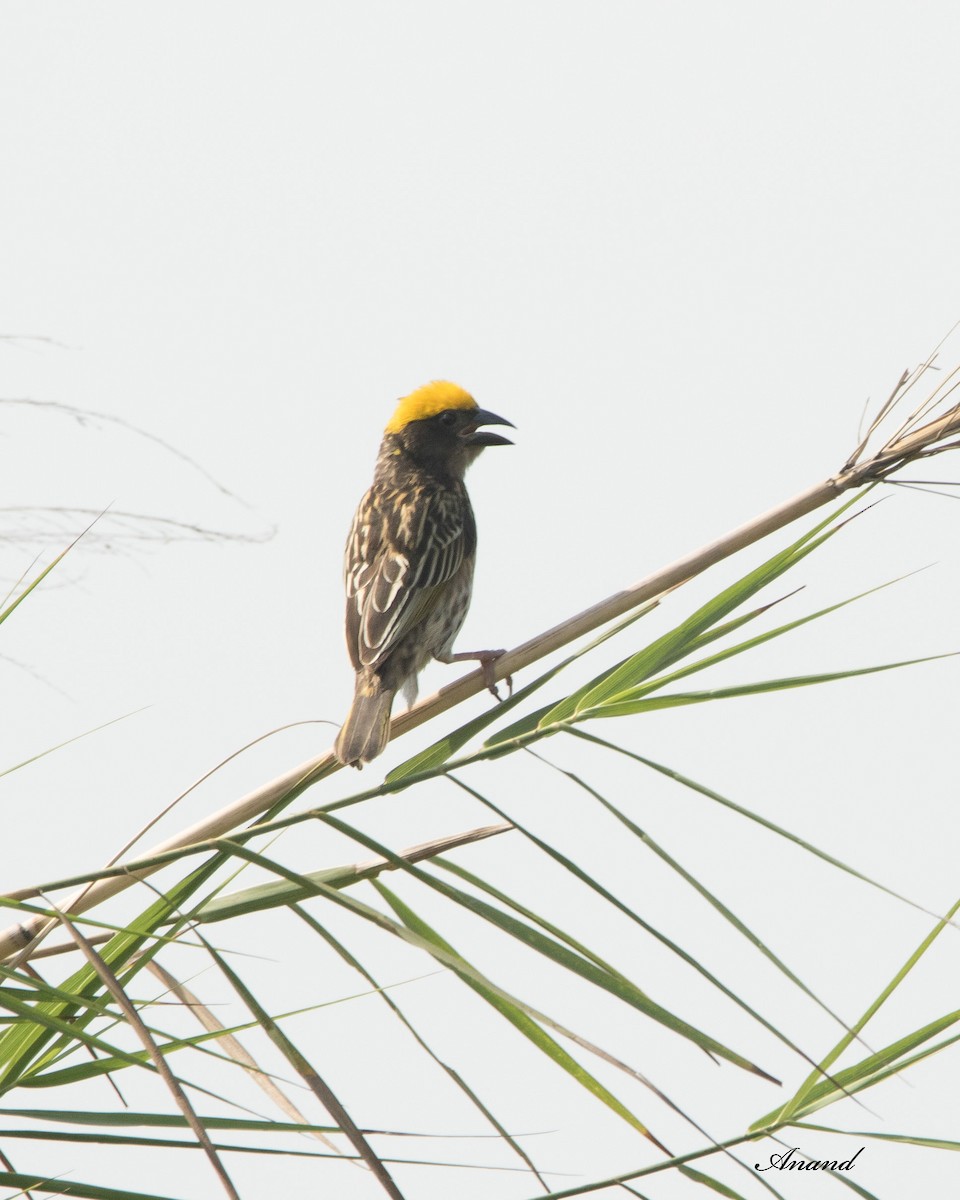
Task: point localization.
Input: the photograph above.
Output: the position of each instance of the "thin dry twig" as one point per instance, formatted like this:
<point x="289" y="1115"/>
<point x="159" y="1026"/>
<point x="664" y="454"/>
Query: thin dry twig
<point x="84" y="416"/>
<point x="130" y="526"/>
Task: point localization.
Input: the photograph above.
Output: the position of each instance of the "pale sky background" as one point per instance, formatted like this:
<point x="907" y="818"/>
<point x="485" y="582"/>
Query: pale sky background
<point x="681" y="247"/>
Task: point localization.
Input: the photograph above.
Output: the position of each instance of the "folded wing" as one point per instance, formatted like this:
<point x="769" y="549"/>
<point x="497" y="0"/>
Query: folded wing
<point x="402" y="549"/>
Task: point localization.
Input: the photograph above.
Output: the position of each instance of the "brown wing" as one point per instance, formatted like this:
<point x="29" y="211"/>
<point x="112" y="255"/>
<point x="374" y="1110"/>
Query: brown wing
<point x="402" y="548"/>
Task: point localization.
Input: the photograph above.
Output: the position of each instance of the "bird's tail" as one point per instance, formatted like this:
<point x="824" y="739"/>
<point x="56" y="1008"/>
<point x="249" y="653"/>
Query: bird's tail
<point x="367" y="728"/>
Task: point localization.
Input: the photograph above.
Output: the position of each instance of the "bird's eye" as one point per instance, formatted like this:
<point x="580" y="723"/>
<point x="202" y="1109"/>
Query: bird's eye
<point x="448" y="419"/>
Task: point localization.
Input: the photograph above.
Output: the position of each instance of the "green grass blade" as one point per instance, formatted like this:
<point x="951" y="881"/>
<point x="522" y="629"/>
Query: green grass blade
<point x="904" y="1139"/>
<point x="38" y="579"/>
<point x="455" y="1077"/>
<point x="310" y="1076"/>
<point x="710" y="794"/>
<point x="565" y="862"/>
<point x="629" y="703"/>
<point x="534" y="720"/>
<point x="38" y="1021"/>
<point x="454" y="961"/>
<point x="873" y="1069"/>
<point x="714" y="1185"/>
<point x="284" y="892"/>
<point x="72" y="1187"/>
<point x="126" y="1119"/>
<point x="438" y="753"/>
<point x="69" y="742"/>
<point x="673" y="645"/>
<point x="794" y="1107"/>
<point x="616" y="984"/>
<point x="677" y="641"/>
<point x="67" y="1137"/>
<point x="728" y="915"/>
<point x="127" y="951"/>
<point x="517" y="1017"/>
<point x="752" y="643"/>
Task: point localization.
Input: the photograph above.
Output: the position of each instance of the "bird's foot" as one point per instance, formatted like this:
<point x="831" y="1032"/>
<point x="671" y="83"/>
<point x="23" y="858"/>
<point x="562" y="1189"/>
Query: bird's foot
<point x="486" y="659"/>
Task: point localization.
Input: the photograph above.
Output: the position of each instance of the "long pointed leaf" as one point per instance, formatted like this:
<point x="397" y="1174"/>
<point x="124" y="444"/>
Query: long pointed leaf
<point x="518" y="1018"/>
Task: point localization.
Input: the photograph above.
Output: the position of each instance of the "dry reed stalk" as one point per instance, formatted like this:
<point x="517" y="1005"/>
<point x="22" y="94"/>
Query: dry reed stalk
<point x="910" y="443"/>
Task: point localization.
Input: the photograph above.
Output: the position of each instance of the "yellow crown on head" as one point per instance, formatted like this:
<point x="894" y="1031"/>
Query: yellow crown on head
<point x="427" y="401"/>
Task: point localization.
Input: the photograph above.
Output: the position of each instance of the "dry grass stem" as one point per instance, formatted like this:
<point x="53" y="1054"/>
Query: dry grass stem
<point x="909" y="443"/>
<point x="113" y="986"/>
<point x="234" y="1048"/>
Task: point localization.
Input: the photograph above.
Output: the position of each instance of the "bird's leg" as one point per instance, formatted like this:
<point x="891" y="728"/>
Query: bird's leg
<point x="486" y="659"/>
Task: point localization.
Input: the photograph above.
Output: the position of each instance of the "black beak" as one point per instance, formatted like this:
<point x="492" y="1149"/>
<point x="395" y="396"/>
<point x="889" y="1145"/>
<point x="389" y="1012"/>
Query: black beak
<point x="482" y="417"/>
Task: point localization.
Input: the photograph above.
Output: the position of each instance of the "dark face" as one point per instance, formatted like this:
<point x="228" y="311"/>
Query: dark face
<point x="452" y="439"/>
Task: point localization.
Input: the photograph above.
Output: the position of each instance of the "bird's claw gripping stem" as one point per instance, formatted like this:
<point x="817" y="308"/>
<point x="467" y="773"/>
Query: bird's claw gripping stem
<point x="486" y="659"/>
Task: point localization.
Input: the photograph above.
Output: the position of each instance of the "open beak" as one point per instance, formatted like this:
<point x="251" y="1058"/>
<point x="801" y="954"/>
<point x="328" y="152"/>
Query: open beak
<point x="482" y="417"/>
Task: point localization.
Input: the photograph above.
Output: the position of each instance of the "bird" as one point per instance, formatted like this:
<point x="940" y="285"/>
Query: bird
<point x="409" y="559"/>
